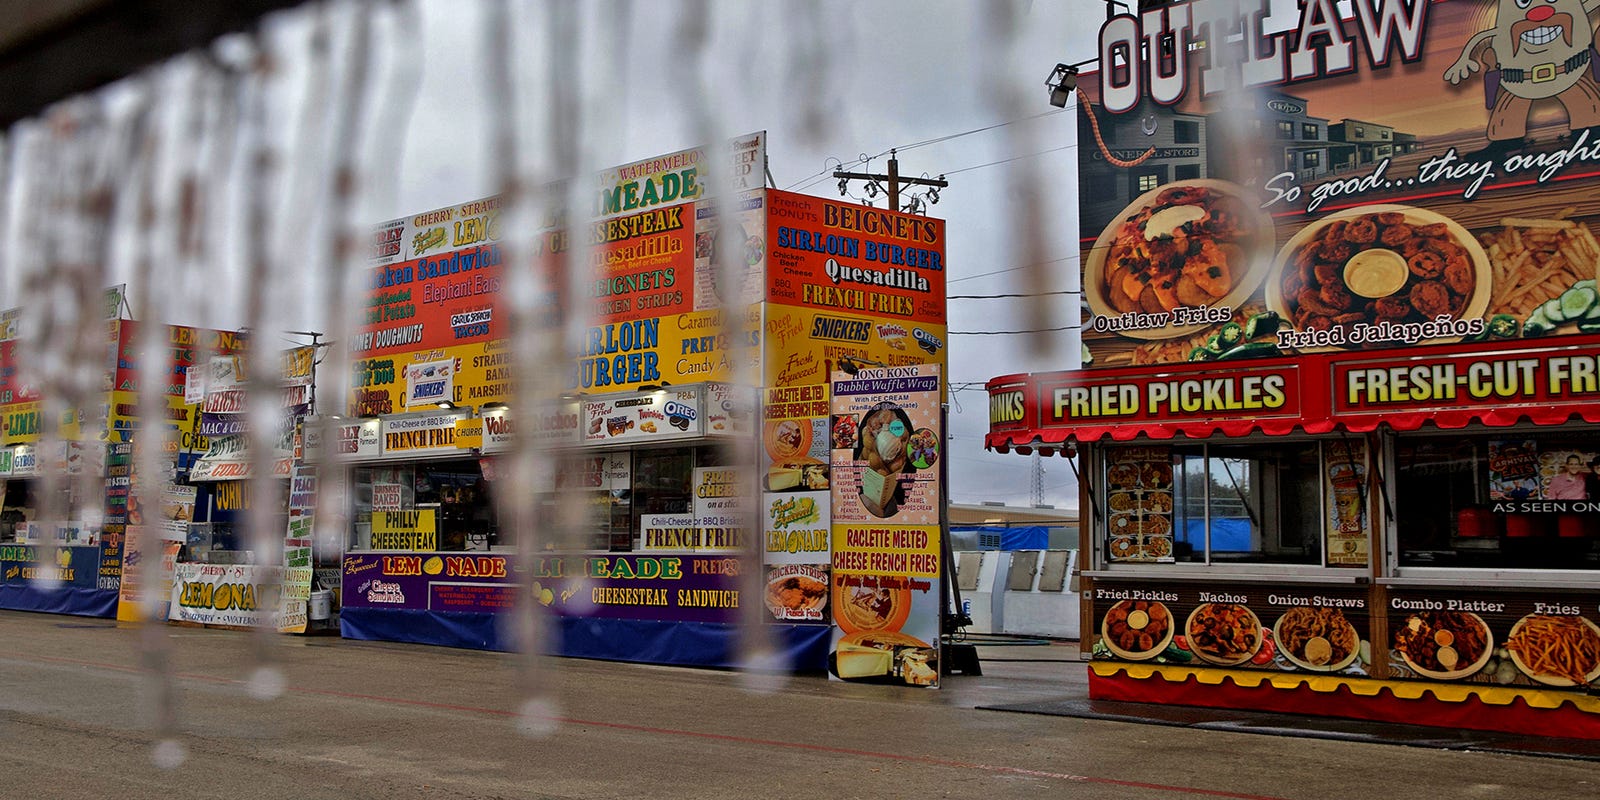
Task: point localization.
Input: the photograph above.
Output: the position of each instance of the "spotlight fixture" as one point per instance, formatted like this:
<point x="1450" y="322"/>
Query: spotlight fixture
<point x="1063" y="81"/>
<point x="446" y="404"/>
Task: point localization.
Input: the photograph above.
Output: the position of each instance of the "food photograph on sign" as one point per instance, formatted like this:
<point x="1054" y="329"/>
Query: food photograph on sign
<point x="1512" y="638"/>
<point x="1341" y="214"/>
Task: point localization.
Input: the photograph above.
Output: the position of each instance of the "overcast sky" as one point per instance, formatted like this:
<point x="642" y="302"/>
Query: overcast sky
<point x="876" y="75"/>
<point x="896" y="73"/>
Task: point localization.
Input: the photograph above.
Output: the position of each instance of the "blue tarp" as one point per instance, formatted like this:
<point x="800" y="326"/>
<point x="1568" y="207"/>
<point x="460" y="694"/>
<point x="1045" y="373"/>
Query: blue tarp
<point x="1228" y="534"/>
<point x="999" y="537"/>
<point x="64" y="600"/>
<point x="697" y="644"/>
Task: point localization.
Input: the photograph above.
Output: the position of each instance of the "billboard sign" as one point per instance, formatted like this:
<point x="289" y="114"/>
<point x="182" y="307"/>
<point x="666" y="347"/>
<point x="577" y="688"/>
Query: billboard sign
<point x="1407" y="173"/>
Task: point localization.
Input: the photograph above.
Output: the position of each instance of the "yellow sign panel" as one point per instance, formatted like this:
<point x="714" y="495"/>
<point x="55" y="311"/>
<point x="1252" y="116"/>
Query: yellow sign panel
<point x="804" y="345"/>
<point x="23" y="423"/>
<point x="405" y="530"/>
<point x="482" y="375"/>
<point x="469" y="433"/>
<point x="122" y="419"/>
<point x="907" y="551"/>
<point x="693" y="347"/>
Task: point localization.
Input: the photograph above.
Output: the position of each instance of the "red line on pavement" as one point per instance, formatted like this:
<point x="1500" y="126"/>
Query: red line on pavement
<point x="723" y="737"/>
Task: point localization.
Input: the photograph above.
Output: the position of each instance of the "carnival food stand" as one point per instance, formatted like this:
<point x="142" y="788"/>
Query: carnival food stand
<point x="1338" y="456"/>
<point x="678" y="367"/>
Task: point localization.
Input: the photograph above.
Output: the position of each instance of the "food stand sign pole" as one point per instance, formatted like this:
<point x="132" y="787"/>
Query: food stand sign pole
<point x="957" y="657"/>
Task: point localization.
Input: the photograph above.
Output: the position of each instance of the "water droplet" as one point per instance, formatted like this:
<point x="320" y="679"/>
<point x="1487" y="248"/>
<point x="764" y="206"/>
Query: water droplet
<point x="763" y="672"/>
<point x="265" y="683"/>
<point x="537" y="718"/>
<point x="169" y="754"/>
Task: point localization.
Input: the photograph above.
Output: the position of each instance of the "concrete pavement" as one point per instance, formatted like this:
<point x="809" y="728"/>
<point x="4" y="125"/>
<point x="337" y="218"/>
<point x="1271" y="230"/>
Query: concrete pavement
<point x="364" y="720"/>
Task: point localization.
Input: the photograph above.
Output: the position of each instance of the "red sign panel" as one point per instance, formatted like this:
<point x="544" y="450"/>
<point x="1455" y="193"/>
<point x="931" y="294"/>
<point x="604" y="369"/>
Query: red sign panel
<point x="846" y="257"/>
<point x="1236" y="394"/>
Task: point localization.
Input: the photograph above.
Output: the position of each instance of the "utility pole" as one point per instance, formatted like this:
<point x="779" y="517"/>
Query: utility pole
<point x="894" y="179"/>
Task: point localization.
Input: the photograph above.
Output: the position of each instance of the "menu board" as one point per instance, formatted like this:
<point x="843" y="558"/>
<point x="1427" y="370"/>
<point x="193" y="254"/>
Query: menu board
<point x="1543" y="639"/>
<point x="886" y="537"/>
<point x="1140" y="501"/>
<point x="1289" y="628"/>
<point x="797" y="509"/>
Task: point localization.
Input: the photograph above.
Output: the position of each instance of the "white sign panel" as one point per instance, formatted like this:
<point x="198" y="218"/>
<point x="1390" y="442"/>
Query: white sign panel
<point x="424" y="434"/>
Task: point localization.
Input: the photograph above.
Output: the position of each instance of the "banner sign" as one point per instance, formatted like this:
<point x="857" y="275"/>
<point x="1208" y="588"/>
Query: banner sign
<point x="416" y="529"/>
<point x="843" y="257"/>
<point x="241" y="595"/>
<point x="650" y="417"/>
<point x="77" y="566"/>
<point x="805" y="345"/>
<point x="428" y="434"/>
<point x="1284" y="193"/>
<point x="886" y="442"/>
<point x="229" y="460"/>
<point x="360" y="440"/>
<point x="130" y="597"/>
<point x="1239" y="393"/>
<point x="678" y="588"/>
<point x="740" y="164"/>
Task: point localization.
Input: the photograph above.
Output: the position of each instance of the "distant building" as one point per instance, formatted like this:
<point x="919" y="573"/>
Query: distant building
<point x="1179" y="140"/>
<point x="1373" y="142"/>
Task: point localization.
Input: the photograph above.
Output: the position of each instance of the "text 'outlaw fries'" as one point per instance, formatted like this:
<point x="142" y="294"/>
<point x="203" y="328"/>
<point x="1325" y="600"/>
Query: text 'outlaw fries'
<point x="1560" y="651"/>
<point x="1187" y="245"/>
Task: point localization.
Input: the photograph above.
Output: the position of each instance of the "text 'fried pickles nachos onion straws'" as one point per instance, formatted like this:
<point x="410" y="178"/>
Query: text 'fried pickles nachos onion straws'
<point x="1556" y="650"/>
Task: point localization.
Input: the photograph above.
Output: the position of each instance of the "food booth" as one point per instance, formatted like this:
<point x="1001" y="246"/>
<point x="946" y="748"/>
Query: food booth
<point x="1335" y="421"/>
<point x="649" y="416"/>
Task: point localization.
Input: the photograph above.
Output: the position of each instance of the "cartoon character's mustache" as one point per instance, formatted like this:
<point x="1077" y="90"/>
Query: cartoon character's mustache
<point x="1559" y="19"/>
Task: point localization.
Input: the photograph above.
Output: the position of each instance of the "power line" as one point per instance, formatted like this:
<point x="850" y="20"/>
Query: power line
<point x="1009" y="160"/>
<point x="1008" y="269"/>
<point x="1009" y="333"/>
<point x="999" y="296"/>
<point x="864" y="158"/>
<point x="939" y="139"/>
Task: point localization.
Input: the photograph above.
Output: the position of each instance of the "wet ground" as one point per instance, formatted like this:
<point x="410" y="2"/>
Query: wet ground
<point x="366" y="720"/>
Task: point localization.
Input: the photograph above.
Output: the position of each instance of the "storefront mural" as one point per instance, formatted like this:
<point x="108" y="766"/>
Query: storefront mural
<point x="1338" y="214"/>
<point x="1293" y="627"/>
<point x="1527" y="638"/>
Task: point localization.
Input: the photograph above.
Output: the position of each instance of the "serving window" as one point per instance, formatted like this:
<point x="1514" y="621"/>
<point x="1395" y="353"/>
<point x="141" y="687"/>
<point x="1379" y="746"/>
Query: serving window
<point x="617" y="489"/>
<point x="1517" y="499"/>
<point x="431" y="505"/>
<point x="1217" y="504"/>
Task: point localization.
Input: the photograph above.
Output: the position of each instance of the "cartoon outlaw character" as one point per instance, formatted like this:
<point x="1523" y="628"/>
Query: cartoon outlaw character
<point x="1537" y="50"/>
